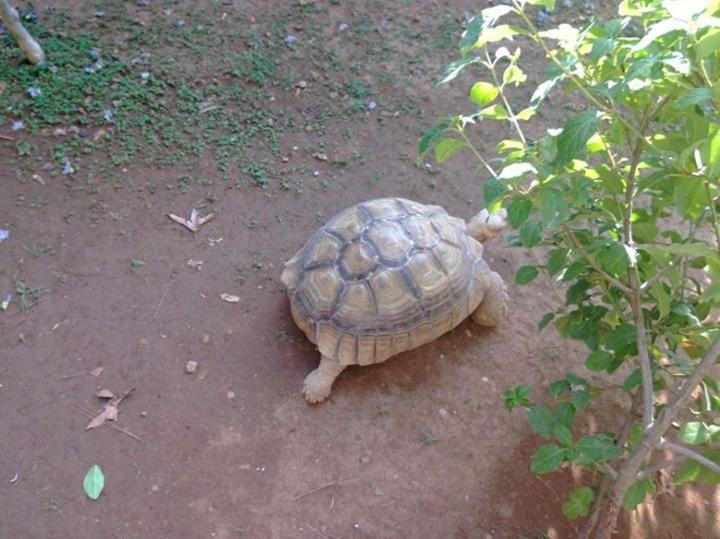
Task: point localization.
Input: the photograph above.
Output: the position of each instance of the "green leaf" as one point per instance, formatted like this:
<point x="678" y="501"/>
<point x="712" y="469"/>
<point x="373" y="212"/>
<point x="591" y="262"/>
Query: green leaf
<point x="713" y="165"/>
<point x="483" y="93"/>
<point x="519" y="210"/>
<point x="565" y="414"/>
<point x="661" y="297"/>
<point x="515" y="170"/>
<point x="495" y="112"/>
<point x="615" y="259"/>
<point x="688" y="471"/>
<point x="601" y="47"/>
<point x="695" y="433"/>
<point x="514" y="75"/>
<point x="599" y="360"/>
<point x="453" y="69"/>
<point x="621" y="336"/>
<point x="547" y="458"/>
<point x="472" y="32"/>
<point x="517" y="396"/>
<point x="481" y="22"/>
<point x="690" y="197"/>
<point x="633" y="380"/>
<point x="550" y="4"/>
<point x="563" y="435"/>
<point x="553" y="208"/>
<point x="577" y="131"/>
<point x="580" y="399"/>
<point x="708" y="44"/>
<point x="596" y="448"/>
<point x="430" y="136"/>
<point x="541" y="420"/>
<point x="543" y="90"/>
<point x="636" y="493"/>
<point x="531" y="233"/>
<point x="545" y="320"/>
<point x="578" y="503"/>
<point x="446" y="148"/>
<point x="492" y="190"/>
<point x="556" y="260"/>
<point x="526" y="274"/>
<point x="559" y="387"/>
<point x="94" y="482"/>
<point x="693" y="96"/>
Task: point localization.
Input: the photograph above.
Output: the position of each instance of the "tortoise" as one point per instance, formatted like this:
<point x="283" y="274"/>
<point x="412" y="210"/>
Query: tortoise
<point x="386" y="276"/>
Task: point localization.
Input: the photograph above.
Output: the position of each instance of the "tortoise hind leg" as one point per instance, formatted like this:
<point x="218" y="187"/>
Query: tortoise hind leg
<point x="318" y="383"/>
<point x="493" y="308"/>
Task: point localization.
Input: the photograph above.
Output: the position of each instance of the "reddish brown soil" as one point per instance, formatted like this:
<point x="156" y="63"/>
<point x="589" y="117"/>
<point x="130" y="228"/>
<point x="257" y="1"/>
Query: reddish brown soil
<point x="234" y="450"/>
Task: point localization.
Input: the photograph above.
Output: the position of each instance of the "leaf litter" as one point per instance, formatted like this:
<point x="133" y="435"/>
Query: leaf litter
<point x="195" y="222"/>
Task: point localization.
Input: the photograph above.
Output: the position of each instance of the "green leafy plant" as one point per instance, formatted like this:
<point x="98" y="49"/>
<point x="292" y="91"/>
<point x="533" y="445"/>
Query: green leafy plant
<point x="619" y="204"/>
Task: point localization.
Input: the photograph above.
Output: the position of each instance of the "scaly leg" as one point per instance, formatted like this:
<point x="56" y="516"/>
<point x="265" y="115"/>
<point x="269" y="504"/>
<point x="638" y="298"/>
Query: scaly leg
<point x="317" y="384"/>
<point x="493" y="308"/>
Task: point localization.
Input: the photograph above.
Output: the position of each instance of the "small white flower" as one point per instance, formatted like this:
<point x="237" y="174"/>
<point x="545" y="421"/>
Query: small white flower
<point x="34" y="91"/>
<point x="17" y="125"/>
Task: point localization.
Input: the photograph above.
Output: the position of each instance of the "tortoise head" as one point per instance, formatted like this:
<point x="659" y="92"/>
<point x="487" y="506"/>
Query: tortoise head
<point x="485" y="225"/>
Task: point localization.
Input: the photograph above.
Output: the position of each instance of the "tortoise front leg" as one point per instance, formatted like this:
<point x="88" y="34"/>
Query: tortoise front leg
<point x="317" y="384"/>
<point x="493" y="308"/>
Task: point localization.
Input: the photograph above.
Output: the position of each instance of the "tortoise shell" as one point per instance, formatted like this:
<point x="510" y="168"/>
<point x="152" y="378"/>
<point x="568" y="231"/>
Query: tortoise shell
<point x="383" y="277"/>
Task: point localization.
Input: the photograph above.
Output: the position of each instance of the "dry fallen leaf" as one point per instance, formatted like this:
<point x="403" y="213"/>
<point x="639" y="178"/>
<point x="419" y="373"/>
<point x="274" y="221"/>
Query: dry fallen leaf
<point x="105" y="394"/>
<point x="229" y="298"/>
<point x="320" y="156"/>
<point x="97" y="372"/>
<point x="111" y="412"/>
<point x="97" y="421"/>
<point x="196" y="220"/>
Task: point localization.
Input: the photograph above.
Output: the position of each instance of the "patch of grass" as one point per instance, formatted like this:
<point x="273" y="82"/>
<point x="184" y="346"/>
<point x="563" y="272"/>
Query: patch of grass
<point x="28" y="296"/>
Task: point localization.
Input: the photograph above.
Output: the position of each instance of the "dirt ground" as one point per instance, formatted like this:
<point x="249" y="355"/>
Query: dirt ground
<point x="420" y="446"/>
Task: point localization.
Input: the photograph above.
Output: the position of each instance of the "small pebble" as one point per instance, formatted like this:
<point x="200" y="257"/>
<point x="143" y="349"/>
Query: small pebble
<point x="143" y="414"/>
<point x="155" y="488"/>
<point x="230" y="394"/>
<point x="301" y="84"/>
<point x="191" y="367"/>
<point x="316" y="173"/>
<point x="364" y="459"/>
<point x="343" y="26"/>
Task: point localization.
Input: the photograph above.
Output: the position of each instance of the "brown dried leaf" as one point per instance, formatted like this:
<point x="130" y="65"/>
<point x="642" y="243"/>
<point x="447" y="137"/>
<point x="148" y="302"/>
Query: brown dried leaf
<point x="97" y="421"/>
<point x="111" y="412"/>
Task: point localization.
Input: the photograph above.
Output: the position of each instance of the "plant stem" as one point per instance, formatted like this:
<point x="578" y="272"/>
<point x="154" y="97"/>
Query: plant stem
<point x="677" y="448"/>
<point x="594" y="263"/>
<point x="500" y="87"/>
<point x="474" y="150"/>
<point x="641" y="340"/>
<point x="649" y="470"/>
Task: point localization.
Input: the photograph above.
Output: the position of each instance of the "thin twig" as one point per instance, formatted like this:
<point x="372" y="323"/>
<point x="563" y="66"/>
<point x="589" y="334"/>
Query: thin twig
<point x="641" y="340"/>
<point x="76" y="375"/>
<point x="160" y="302"/>
<point x="677" y="448"/>
<point x="326" y="485"/>
<point x="111" y="425"/>
<point x="5" y="137"/>
<point x="594" y="263"/>
<point x="78" y="274"/>
<point x="657" y="467"/>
